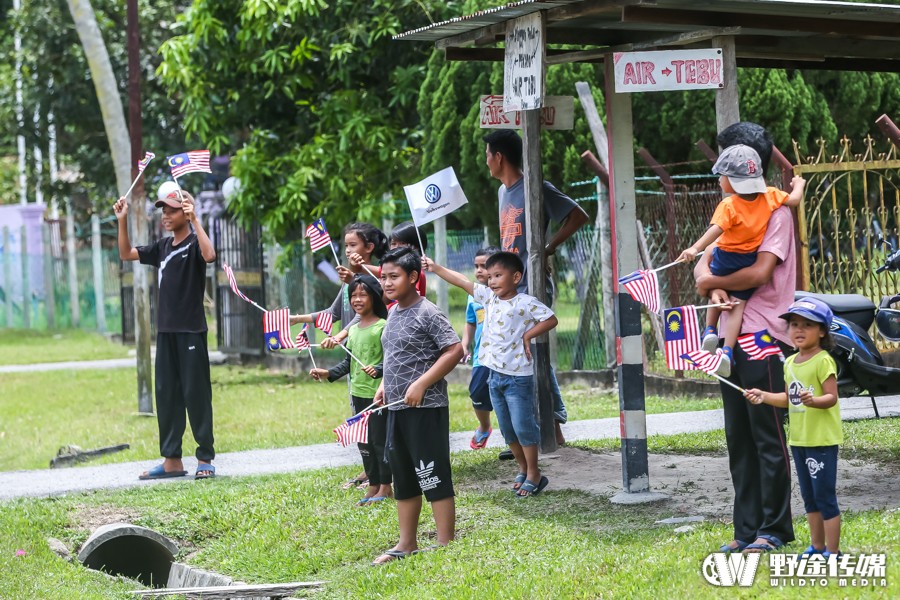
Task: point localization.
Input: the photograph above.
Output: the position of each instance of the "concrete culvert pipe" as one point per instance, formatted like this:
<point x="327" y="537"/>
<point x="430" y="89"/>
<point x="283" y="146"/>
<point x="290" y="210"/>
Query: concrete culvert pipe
<point x="131" y="551"/>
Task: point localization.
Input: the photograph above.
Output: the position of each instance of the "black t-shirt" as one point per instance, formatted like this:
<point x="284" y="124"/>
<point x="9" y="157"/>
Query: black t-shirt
<point x="182" y="281"/>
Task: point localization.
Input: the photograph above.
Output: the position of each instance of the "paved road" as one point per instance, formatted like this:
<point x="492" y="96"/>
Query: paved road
<point x="46" y="482"/>
<point x="215" y="358"/>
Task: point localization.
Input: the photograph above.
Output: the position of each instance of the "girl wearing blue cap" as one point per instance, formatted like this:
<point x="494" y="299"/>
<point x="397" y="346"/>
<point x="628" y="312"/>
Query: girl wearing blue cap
<point x="815" y="418"/>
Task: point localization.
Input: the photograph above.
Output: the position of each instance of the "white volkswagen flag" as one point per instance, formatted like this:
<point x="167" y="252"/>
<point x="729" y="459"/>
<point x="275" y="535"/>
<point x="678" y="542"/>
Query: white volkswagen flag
<point x="435" y="196"/>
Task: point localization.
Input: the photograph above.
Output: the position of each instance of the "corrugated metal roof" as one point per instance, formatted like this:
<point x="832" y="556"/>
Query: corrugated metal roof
<point x="480" y="19"/>
<point x="823" y="9"/>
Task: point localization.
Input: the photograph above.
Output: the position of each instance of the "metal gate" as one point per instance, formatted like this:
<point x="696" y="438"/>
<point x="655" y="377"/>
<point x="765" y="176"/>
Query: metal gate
<point x="238" y="323"/>
<point x="852" y="202"/>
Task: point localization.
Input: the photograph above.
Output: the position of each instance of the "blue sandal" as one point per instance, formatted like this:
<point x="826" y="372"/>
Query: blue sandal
<point x="774" y="544"/>
<point x="728" y="548"/>
<point x="159" y="472"/>
<point x="531" y="489"/>
<point x="518" y="481"/>
<point x="812" y="550"/>
<point x="205" y="471"/>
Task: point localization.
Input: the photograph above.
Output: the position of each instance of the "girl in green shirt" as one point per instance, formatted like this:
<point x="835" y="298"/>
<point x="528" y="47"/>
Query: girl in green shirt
<point x="815" y="418"/>
<point x="364" y="341"/>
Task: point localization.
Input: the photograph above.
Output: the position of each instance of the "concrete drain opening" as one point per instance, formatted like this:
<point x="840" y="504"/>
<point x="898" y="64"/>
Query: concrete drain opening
<point x="131" y="551"/>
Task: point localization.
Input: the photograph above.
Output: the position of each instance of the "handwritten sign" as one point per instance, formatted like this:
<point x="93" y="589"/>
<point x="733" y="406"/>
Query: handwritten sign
<point x="558" y="112"/>
<point x="668" y="70"/>
<point x="523" y="68"/>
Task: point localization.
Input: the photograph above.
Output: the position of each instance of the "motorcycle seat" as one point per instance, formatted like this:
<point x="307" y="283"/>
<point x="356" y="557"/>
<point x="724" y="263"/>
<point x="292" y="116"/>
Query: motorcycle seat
<point x="841" y="303"/>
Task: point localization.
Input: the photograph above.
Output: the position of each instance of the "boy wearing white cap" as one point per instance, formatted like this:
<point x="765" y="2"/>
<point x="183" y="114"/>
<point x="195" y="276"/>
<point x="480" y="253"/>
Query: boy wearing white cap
<point x="737" y="229"/>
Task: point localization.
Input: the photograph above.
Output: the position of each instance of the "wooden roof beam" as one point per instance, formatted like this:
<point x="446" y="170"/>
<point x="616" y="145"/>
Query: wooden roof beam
<point x="700" y="19"/>
<point x="868" y="65"/>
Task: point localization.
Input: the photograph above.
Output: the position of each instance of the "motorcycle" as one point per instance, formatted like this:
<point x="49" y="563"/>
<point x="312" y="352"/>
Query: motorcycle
<point x="860" y="366"/>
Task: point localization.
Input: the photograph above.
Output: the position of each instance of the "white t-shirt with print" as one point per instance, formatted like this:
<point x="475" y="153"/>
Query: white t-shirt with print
<point x="505" y="322"/>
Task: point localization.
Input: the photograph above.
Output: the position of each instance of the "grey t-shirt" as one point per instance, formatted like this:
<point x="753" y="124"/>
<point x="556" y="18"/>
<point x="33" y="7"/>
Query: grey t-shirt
<point x="513" y="235"/>
<point x="413" y="339"/>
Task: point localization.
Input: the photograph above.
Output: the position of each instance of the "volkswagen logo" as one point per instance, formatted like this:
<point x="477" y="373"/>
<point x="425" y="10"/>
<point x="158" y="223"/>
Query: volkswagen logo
<point x="432" y="194"/>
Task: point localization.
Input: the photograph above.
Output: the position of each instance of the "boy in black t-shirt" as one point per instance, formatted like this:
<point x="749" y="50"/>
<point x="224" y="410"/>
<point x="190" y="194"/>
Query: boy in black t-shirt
<point x="182" y="359"/>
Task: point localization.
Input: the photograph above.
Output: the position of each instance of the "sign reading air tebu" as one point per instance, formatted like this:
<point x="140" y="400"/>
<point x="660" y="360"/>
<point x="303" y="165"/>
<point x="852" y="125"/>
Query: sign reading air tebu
<point x="668" y="70"/>
<point x="558" y="112"/>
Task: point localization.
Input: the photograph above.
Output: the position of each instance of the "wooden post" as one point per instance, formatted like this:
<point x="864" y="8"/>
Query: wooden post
<point x="602" y="223"/>
<point x="138" y="213"/>
<point x="630" y="370"/>
<point x="74" y="307"/>
<point x="26" y="283"/>
<point x="49" y="279"/>
<point x="440" y="257"/>
<point x="727" y="98"/>
<point x="97" y="264"/>
<point x="537" y="267"/>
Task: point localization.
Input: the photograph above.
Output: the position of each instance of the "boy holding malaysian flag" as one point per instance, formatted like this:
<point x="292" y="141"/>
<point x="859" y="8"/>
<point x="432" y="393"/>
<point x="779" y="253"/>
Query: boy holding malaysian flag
<point x="182" y="360"/>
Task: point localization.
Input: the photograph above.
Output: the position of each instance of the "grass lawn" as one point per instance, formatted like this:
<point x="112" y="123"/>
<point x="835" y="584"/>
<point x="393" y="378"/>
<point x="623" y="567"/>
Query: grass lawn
<point x="29" y="346"/>
<point x="39" y="412"/>
<point x="563" y="544"/>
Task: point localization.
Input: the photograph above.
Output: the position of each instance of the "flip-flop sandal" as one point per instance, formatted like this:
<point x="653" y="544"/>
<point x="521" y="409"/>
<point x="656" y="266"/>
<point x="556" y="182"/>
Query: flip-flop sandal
<point x="728" y="548"/>
<point x="363" y="484"/>
<point x="351" y="483"/>
<point x="394" y="555"/>
<point x="376" y="499"/>
<point x="774" y="544"/>
<point x="531" y="489"/>
<point x="427" y="549"/>
<point x="518" y="481"/>
<point x="480" y="440"/>
<point x="205" y="471"/>
<point x="159" y="472"/>
<point x="812" y="550"/>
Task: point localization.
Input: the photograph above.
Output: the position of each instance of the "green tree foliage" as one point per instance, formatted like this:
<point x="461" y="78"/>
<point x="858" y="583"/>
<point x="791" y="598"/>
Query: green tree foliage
<point x="314" y="99"/>
<point x="56" y="78"/>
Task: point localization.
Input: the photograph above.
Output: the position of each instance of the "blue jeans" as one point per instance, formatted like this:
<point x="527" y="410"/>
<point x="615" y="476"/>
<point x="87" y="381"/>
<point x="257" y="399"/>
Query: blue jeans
<point x="560" y="414"/>
<point x="514" y="405"/>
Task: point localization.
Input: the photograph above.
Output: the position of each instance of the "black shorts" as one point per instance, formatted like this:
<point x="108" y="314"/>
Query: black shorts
<point x="419" y="453"/>
<point x="479" y="391"/>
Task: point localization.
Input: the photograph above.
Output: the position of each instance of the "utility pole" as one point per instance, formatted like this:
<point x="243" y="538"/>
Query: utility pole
<point x="138" y="212"/>
<point x="20" y="118"/>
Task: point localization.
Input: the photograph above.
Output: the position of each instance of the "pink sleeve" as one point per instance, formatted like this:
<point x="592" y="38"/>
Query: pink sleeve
<point x="779" y="233"/>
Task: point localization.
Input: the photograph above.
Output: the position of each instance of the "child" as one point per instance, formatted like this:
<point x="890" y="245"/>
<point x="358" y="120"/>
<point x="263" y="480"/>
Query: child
<point x="365" y="343"/>
<point x="815" y="418"/>
<point x="512" y="321"/>
<point x="182" y="359"/>
<point x="405" y="235"/>
<point x="738" y="227"/>
<point x="420" y="349"/>
<point x="362" y="241"/>
<point x="479" y="391"/>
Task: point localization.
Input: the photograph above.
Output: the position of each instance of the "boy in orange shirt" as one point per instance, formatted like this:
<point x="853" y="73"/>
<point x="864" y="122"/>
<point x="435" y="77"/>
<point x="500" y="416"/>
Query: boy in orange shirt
<point x="737" y="228"/>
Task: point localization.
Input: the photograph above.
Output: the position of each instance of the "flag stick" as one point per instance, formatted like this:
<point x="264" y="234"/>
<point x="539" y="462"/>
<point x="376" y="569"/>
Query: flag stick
<point x="720" y="305"/>
<point x="371" y="272"/>
<point x="350" y="354"/>
<point x="671" y="264"/>
<point x="334" y="252"/>
<point x="134" y="183"/>
<point x="371" y="406"/>
<point x="180" y="197"/>
<point x="726" y="382"/>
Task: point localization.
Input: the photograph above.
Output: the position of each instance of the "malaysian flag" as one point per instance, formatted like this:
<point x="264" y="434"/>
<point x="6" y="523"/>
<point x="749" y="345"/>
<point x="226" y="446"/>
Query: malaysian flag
<point x="142" y="164"/>
<point x="759" y="345"/>
<point x="195" y="161"/>
<point x="277" y="325"/>
<point x="354" y="430"/>
<point x="643" y="287"/>
<point x="682" y="336"/>
<point x="303" y="339"/>
<point x="324" y="321"/>
<point x="233" y="283"/>
<point x="705" y="361"/>
<point x="318" y="235"/>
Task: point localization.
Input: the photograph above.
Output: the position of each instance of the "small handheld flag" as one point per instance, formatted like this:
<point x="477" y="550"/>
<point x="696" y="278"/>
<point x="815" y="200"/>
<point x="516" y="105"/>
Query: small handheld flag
<point x="324" y="321"/>
<point x="277" y="327"/>
<point x="705" y="361"/>
<point x="643" y="287"/>
<point x="712" y="371"/>
<point x="354" y="430"/>
<point x="142" y="164"/>
<point x="318" y="235"/>
<point x="303" y="339"/>
<point x="232" y="282"/>
<point x="434" y="197"/>
<point x="682" y="335"/>
<point x="759" y="345"/>
<point x="195" y="161"/>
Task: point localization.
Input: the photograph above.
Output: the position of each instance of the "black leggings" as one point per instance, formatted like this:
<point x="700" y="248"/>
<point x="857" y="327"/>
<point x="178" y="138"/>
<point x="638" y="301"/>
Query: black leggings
<point x="374" y="460"/>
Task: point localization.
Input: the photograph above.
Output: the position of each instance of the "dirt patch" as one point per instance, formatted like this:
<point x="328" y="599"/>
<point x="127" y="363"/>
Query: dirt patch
<point x="701" y="485"/>
<point x="92" y="517"/>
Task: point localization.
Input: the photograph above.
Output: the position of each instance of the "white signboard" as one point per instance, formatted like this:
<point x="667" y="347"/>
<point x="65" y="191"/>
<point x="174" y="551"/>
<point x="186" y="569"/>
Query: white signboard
<point x="558" y="112"/>
<point x="668" y="70"/>
<point x="523" y="68"/>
